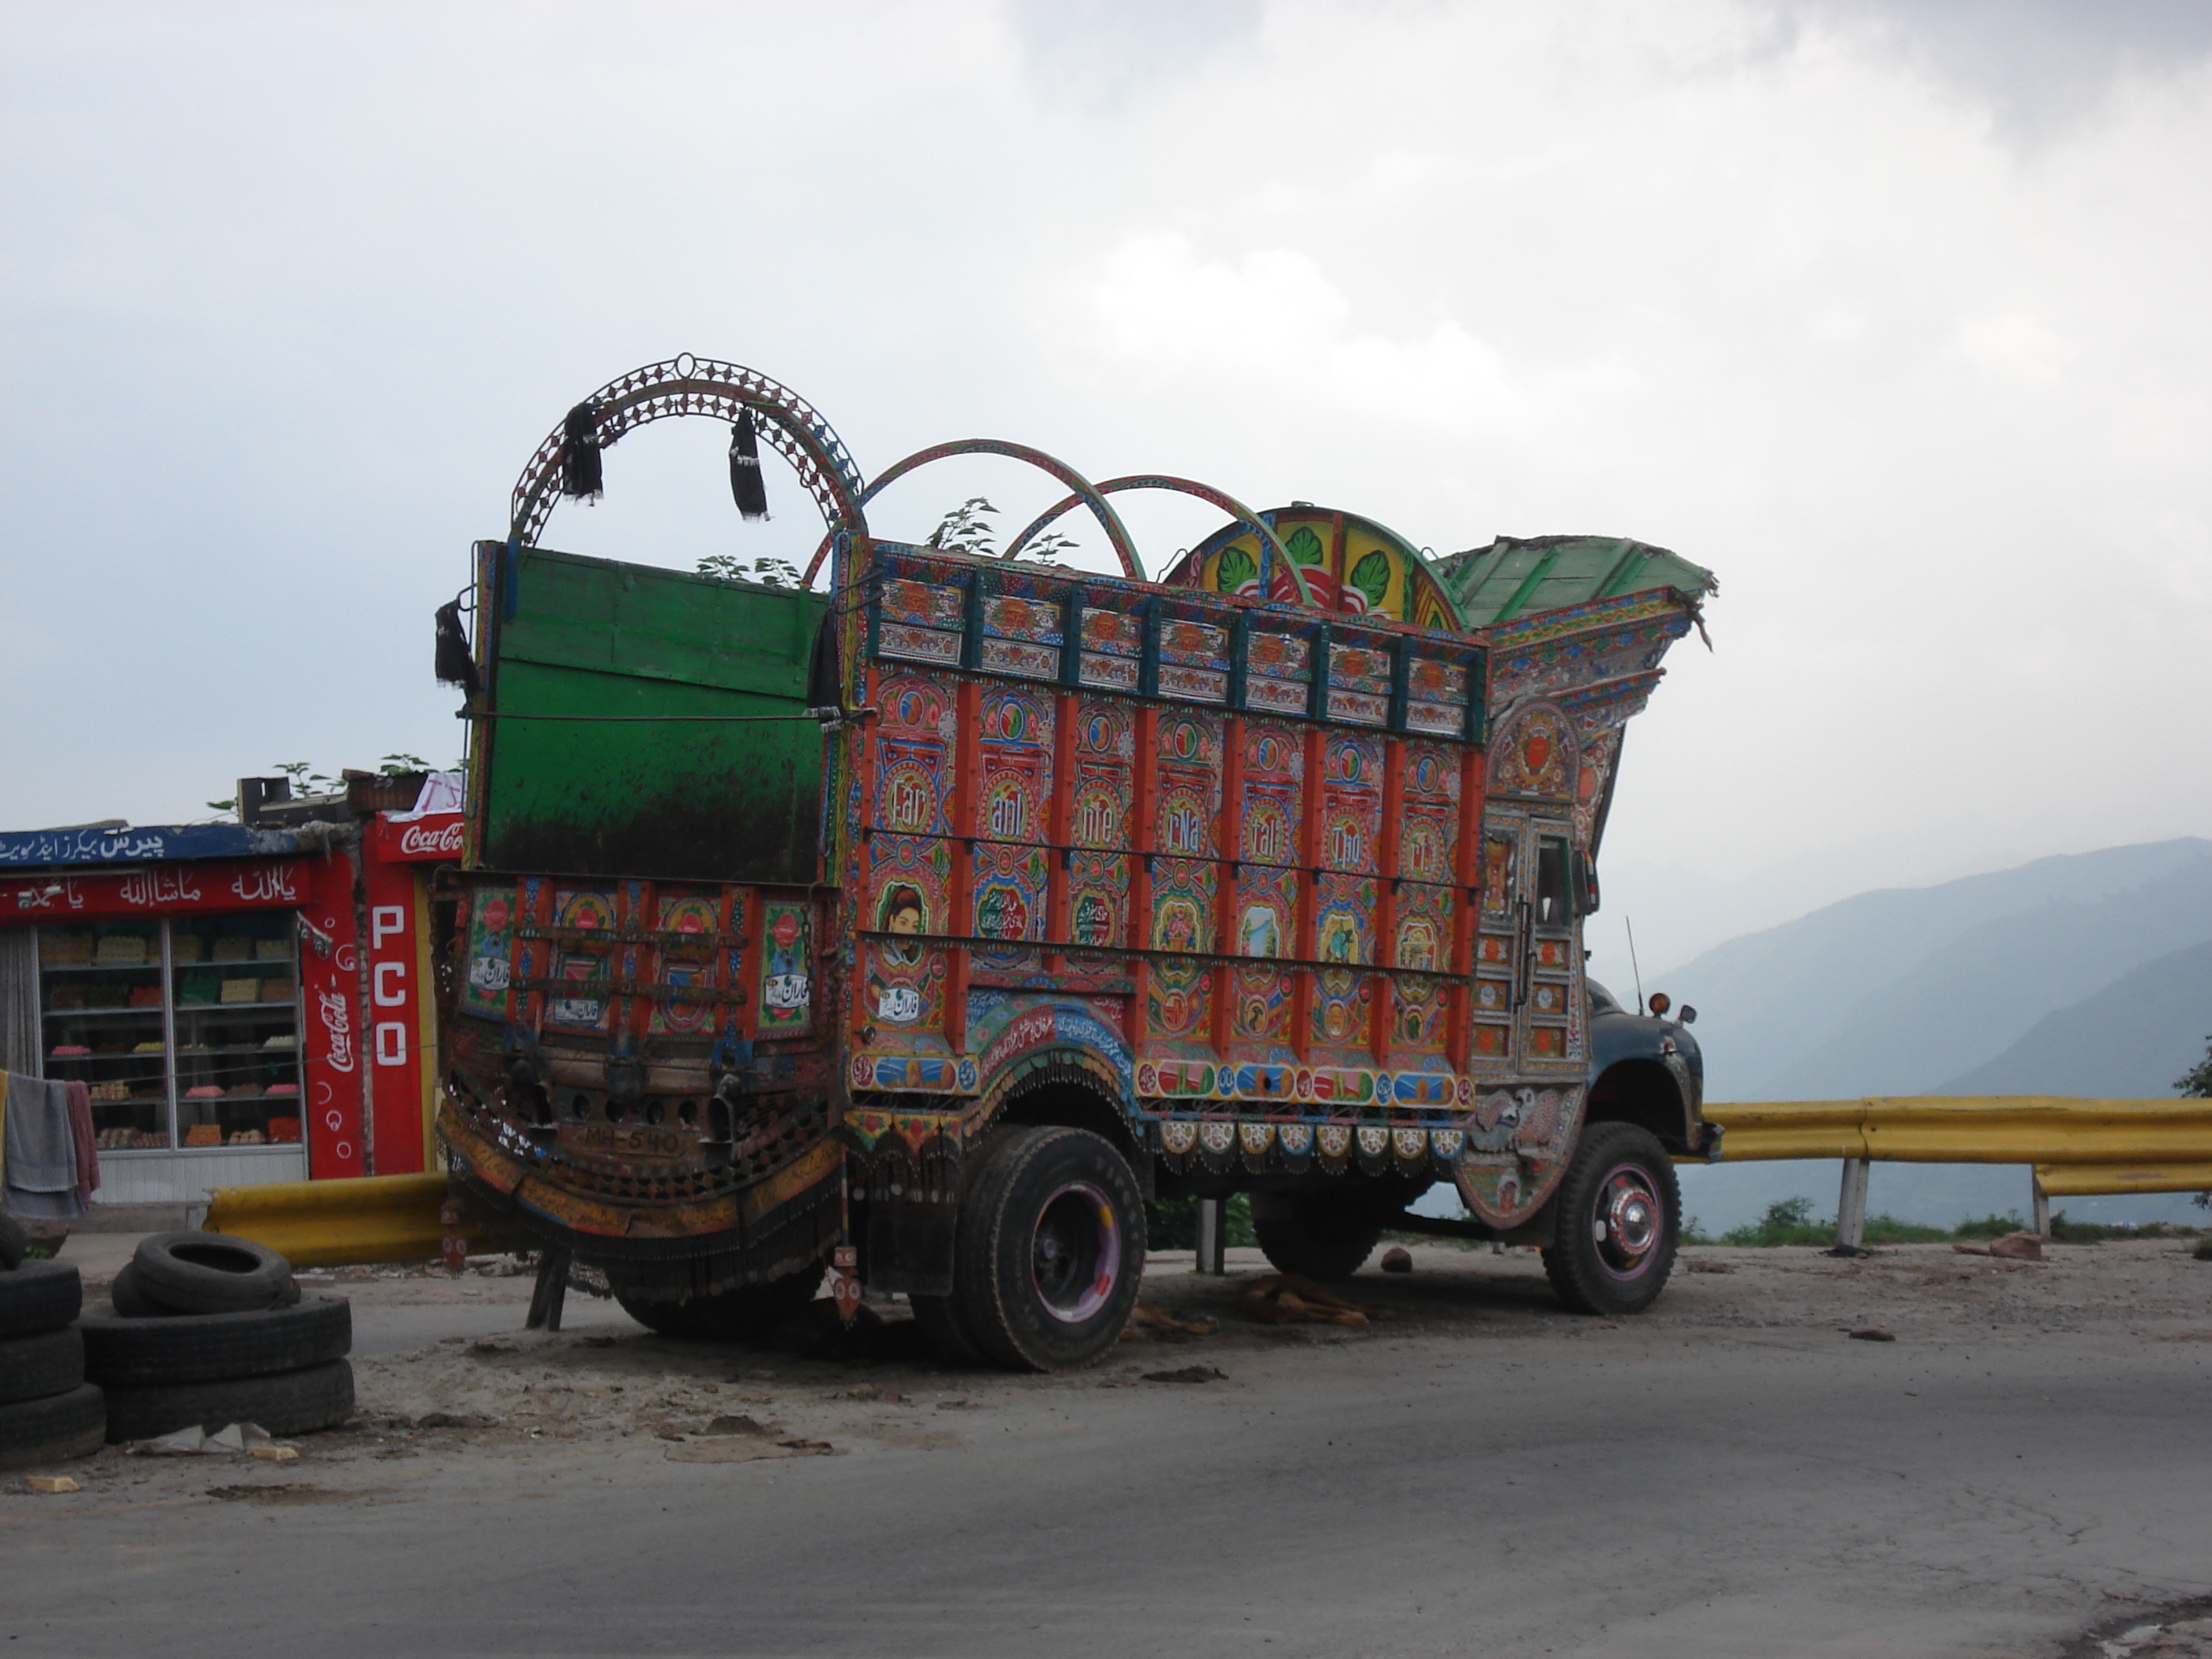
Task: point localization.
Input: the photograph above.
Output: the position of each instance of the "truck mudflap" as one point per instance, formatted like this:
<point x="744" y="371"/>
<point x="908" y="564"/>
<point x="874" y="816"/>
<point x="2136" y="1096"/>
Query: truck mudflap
<point x="906" y="1168"/>
<point x="790" y="1219"/>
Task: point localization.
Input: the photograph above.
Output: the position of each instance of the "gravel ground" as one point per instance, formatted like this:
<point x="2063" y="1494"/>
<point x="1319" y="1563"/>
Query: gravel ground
<point x="453" y="1397"/>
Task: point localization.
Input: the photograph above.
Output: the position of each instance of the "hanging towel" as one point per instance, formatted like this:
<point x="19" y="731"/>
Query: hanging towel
<point x="40" y="1173"/>
<point x="82" y="1135"/>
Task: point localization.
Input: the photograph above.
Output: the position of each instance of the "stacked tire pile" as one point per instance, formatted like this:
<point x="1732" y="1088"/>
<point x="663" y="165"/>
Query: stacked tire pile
<point x="48" y="1412"/>
<point x="207" y="1331"/>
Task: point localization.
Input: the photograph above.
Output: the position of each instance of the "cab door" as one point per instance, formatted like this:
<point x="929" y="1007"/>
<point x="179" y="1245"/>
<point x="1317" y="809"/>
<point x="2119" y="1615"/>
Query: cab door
<point x="1528" y="1019"/>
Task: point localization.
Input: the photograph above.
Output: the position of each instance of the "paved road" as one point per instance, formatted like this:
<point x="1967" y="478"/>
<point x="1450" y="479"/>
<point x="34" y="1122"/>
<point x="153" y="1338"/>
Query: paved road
<point x="1731" y="1475"/>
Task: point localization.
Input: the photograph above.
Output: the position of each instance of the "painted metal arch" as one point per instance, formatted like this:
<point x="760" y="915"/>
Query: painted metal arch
<point x="1086" y="492"/>
<point x="685" y="384"/>
<point x="1271" y="546"/>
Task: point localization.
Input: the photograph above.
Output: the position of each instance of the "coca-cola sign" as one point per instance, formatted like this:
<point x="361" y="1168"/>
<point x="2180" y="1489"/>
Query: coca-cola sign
<point x="423" y="840"/>
<point x="435" y="836"/>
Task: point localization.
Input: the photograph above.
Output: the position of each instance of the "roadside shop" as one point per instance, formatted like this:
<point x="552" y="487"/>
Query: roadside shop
<point x="244" y="1004"/>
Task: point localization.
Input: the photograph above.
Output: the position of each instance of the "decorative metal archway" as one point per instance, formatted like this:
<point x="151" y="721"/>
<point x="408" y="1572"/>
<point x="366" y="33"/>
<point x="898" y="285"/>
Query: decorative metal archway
<point x="685" y="384"/>
<point x="1272" y="555"/>
<point x="1086" y="494"/>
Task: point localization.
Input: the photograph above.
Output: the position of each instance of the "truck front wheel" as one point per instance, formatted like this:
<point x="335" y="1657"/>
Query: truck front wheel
<point x="1618" y="1218"/>
<point x="1050" y="1249"/>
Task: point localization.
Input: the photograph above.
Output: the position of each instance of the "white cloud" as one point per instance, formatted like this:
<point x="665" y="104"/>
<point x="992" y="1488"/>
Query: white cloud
<point x="287" y="297"/>
<point x="2015" y="347"/>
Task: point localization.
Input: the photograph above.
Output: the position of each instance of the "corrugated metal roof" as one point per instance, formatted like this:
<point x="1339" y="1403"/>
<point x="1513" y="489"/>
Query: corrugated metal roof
<point x="1516" y="577"/>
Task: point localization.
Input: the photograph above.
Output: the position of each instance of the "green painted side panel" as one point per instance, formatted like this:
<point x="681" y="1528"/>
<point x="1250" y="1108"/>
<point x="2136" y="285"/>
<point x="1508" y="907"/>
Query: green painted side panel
<point x="695" y="800"/>
<point x="1513" y="578"/>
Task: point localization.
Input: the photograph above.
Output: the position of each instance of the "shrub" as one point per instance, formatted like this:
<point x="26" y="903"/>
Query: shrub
<point x="1888" y="1229"/>
<point x="1787" y="1221"/>
<point x="1171" y="1224"/>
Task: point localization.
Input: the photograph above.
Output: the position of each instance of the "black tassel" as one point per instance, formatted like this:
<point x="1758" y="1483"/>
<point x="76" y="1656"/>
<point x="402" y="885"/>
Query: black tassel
<point x="457" y="663"/>
<point x="745" y="486"/>
<point x="825" y="681"/>
<point x="580" y="452"/>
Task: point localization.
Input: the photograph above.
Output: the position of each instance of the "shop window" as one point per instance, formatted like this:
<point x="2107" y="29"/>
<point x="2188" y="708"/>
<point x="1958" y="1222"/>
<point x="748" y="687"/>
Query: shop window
<point x="187" y="1031"/>
<point x="104" y="1023"/>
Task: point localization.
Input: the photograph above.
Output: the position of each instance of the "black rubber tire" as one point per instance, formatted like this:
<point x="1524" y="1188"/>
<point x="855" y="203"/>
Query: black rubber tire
<point x="744" y="1315"/>
<point x="61" y="1426"/>
<point x="1602" y="1276"/>
<point x="948" y="1339"/>
<point x="1315" y="1235"/>
<point x="122" y="1352"/>
<point x="1026" y="1213"/>
<point x="33" y="1367"/>
<point x="127" y="1295"/>
<point x="14" y="1242"/>
<point x="290" y="1402"/>
<point x="212" y="1272"/>
<point x="38" y="1296"/>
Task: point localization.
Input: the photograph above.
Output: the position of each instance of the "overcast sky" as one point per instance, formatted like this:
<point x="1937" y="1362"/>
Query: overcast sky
<point x="1893" y="314"/>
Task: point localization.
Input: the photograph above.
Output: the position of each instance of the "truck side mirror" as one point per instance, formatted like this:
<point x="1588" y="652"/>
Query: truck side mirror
<point x="1585" y="884"/>
<point x="1688" y="1017"/>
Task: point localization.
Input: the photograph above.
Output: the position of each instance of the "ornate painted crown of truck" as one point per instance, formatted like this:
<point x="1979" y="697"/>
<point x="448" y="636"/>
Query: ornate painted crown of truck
<point x="932" y="924"/>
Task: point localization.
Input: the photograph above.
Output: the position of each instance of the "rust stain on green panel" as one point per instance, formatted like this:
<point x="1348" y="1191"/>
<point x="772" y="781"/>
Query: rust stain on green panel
<point x="690" y="799"/>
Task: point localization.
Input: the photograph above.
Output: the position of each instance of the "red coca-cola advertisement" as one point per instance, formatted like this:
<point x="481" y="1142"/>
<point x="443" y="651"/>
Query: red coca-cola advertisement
<point x="330" y="1030"/>
<point x="399" y="1043"/>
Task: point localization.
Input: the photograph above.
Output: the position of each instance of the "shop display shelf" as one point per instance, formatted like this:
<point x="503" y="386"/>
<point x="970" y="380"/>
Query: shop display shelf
<point x="153" y="1014"/>
<point x="103" y="967"/>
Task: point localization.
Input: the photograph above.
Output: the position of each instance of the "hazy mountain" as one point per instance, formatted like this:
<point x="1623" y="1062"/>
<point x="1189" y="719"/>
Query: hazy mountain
<point x="2129" y="1042"/>
<point x="1890" y="991"/>
<point x="1969" y="999"/>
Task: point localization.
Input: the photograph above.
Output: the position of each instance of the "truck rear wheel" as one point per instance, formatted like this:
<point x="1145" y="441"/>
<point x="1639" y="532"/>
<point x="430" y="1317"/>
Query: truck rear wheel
<point x="1619" y="1216"/>
<point x="736" y="1315"/>
<point x="1315" y="1235"/>
<point x="1050" y="1249"/>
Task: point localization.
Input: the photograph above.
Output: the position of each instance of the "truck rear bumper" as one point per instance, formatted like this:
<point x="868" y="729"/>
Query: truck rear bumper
<point x="790" y="1217"/>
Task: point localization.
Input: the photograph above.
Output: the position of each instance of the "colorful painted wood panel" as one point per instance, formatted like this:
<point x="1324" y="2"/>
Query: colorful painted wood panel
<point x="1345" y="563"/>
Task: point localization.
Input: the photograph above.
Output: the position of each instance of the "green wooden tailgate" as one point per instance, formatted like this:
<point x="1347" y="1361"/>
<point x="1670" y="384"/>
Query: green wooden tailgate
<point x="664" y="799"/>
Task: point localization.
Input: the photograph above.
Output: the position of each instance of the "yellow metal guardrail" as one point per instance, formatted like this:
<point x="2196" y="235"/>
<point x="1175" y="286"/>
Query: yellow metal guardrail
<point x="328" y="1224"/>
<point x="2051" y="1130"/>
<point x="2085" y="1180"/>
<point x="2078" y="1147"/>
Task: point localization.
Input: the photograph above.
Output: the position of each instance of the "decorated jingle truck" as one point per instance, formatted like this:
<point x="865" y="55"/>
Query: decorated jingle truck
<point x="922" y="928"/>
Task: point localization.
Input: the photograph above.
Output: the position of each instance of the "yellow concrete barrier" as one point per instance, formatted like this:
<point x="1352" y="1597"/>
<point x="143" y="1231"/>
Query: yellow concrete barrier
<point x="2097" y="1180"/>
<point x="328" y="1224"/>
<point x="2040" y="1129"/>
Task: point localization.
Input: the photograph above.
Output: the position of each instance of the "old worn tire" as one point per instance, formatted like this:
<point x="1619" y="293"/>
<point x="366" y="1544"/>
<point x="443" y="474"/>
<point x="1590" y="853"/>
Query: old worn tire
<point x="127" y="1295"/>
<point x="126" y="1352"/>
<point x="1316" y="1235"/>
<point x="947" y="1336"/>
<point x="212" y="1272"/>
<point x="745" y="1314"/>
<point x="1619" y="1217"/>
<point x="14" y="1242"/>
<point x="38" y="1296"/>
<point x="1049" y="1249"/>
<point x="34" y="1432"/>
<point x="290" y="1402"/>
<point x="33" y="1367"/>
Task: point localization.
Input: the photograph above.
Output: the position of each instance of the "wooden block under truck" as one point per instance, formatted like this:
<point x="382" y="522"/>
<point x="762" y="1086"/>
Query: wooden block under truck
<point x="921" y="930"/>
